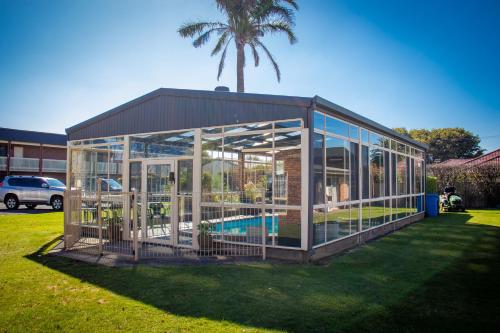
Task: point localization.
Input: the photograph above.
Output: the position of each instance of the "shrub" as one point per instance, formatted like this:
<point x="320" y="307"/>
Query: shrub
<point x="431" y="185"/>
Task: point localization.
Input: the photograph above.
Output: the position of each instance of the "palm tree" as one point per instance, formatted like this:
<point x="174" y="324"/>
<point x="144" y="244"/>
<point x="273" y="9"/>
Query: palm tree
<point x="247" y="22"/>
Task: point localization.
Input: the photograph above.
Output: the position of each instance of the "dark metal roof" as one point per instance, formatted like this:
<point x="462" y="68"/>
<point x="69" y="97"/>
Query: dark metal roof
<point x="175" y="109"/>
<point x="9" y="134"/>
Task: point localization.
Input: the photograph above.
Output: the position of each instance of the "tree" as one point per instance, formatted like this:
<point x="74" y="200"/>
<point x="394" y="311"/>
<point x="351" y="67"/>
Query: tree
<point x="446" y="143"/>
<point x="248" y="21"/>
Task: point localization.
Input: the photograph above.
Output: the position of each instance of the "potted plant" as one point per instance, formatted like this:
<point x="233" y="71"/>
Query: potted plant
<point x="205" y="239"/>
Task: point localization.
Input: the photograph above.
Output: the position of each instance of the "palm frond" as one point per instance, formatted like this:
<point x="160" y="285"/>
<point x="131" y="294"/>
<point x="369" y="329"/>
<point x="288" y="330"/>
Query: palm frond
<point x="279" y="26"/>
<point x="271" y="58"/>
<point x="220" y="43"/>
<point x="271" y="12"/>
<point x="256" y="57"/>
<point x="222" y="59"/>
<point x="205" y="37"/>
<point x="190" y="29"/>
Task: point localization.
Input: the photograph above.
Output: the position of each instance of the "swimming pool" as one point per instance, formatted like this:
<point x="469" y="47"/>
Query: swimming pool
<point x="239" y="226"/>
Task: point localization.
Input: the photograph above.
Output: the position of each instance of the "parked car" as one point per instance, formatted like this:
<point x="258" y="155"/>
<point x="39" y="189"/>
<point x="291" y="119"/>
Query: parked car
<point x="32" y="191"/>
<point x="111" y="185"/>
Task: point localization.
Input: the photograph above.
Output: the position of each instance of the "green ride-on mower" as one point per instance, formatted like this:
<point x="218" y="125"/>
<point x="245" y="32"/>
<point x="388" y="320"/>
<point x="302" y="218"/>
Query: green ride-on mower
<point x="451" y="201"/>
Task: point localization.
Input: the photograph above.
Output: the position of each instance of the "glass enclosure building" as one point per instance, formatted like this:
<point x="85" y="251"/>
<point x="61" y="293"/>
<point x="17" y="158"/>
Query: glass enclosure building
<point x="326" y="178"/>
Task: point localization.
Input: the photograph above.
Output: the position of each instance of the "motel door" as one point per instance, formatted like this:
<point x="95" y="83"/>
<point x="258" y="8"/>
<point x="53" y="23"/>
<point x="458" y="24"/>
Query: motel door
<point x="159" y="201"/>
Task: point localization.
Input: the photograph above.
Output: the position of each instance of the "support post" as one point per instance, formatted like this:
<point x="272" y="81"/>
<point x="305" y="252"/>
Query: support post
<point x="99" y="213"/>
<point x="134" y="226"/>
<point x="263" y="225"/>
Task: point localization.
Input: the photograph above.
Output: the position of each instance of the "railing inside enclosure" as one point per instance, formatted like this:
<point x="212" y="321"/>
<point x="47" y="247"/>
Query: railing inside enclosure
<point x="24" y="164"/>
<point x="141" y="225"/>
<point x="54" y="165"/>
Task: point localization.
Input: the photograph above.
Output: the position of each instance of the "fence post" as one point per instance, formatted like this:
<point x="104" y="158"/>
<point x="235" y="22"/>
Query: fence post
<point x="264" y="226"/>
<point x="99" y="213"/>
<point x="134" y="226"/>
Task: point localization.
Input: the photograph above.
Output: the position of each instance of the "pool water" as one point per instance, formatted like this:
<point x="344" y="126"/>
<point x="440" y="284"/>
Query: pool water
<point x="239" y="226"/>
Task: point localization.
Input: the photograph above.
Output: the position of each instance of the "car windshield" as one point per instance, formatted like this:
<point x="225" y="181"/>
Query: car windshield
<point x="113" y="184"/>
<point x="55" y="183"/>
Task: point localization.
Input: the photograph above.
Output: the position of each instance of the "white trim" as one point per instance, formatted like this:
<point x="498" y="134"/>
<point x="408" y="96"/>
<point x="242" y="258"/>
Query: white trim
<point x="196" y="203"/>
<point x="304" y="189"/>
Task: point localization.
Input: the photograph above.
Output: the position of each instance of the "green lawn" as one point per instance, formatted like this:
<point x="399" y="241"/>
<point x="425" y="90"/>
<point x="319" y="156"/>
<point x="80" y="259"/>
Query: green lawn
<point x="442" y="274"/>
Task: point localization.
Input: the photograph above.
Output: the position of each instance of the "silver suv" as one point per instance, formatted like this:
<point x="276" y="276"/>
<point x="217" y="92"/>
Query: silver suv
<point x="31" y="191"/>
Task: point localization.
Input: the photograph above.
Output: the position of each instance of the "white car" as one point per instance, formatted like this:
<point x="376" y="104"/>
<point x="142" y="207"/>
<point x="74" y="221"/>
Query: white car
<point x="31" y="191"/>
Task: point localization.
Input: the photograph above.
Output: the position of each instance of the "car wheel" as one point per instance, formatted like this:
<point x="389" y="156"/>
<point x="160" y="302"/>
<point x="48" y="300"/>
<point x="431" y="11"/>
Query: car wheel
<point x="30" y="206"/>
<point x="57" y="203"/>
<point x="11" y="202"/>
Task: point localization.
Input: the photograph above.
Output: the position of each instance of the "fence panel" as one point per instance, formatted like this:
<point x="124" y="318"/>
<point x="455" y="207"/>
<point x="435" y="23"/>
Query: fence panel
<point x="141" y="226"/>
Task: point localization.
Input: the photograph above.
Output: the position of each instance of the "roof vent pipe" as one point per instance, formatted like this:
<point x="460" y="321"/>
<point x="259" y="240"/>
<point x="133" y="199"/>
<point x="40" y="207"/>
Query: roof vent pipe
<point x="222" y="88"/>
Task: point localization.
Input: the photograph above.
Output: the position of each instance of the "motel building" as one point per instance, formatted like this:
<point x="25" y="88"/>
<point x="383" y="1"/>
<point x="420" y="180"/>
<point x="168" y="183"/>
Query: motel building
<point x="187" y="173"/>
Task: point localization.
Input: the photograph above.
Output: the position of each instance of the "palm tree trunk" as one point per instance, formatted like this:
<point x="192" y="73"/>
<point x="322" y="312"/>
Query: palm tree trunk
<point x="240" y="63"/>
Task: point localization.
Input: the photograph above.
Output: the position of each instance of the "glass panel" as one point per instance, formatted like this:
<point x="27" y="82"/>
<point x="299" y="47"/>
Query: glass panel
<point x="393" y="174"/>
<point x="211" y="168"/>
<point x="364" y="136"/>
<point x="248" y="168"/>
<point x="376" y="139"/>
<point x="162" y="145"/>
<point x="401" y="211"/>
<point x="211" y="130"/>
<point x="247" y="128"/>
<point x="353" y="132"/>
<point x="394" y="145"/>
<point x="376" y="172"/>
<point x="387" y="178"/>
<point x="287" y="181"/>
<point x="387" y="211"/>
<point x="376" y="213"/>
<point x="401" y="175"/>
<point x="287" y="124"/>
<point x="105" y="140"/>
<point x="408" y="175"/>
<point x="386" y="142"/>
<point x="319" y="226"/>
<point x="159" y="202"/>
<point x="319" y="170"/>
<point x="365" y="216"/>
<point x="185" y="176"/>
<point x="338" y="223"/>
<point x="418" y="176"/>
<point x="336" y="126"/>
<point x="135" y="176"/>
<point x="354" y="169"/>
<point x="337" y="170"/>
<point x="420" y="203"/>
<point x="288" y="227"/>
<point x="102" y="166"/>
<point x="354" y="218"/>
<point x="365" y="171"/>
<point x="394" y="215"/>
<point x="319" y="120"/>
<point x="401" y="148"/>
<point x="116" y="164"/>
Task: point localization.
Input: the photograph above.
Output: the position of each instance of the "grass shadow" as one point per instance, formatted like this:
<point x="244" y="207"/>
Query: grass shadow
<point x="419" y="278"/>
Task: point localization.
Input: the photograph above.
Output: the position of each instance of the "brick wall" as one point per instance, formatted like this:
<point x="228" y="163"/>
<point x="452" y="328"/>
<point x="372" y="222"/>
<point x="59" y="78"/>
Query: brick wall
<point x="54" y="153"/>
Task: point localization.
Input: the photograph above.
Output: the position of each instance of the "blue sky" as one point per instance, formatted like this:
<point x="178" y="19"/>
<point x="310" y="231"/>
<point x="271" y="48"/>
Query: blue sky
<point x="417" y="64"/>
